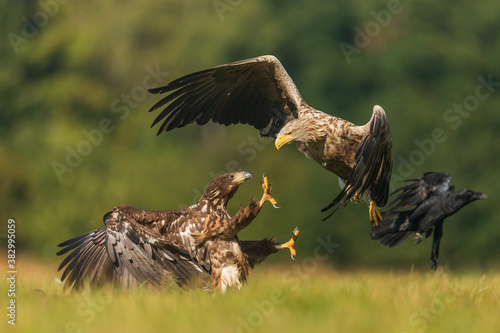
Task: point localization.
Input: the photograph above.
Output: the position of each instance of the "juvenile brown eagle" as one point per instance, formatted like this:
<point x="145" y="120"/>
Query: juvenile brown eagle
<point x="139" y="246"/>
<point x="259" y="92"/>
<point x="431" y="199"/>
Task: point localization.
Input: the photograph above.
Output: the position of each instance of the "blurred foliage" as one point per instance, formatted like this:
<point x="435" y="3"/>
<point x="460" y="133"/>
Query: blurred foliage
<point x="73" y="78"/>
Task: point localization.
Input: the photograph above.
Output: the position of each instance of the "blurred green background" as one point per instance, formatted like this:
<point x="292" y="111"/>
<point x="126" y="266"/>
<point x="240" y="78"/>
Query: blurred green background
<point x="75" y="136"/>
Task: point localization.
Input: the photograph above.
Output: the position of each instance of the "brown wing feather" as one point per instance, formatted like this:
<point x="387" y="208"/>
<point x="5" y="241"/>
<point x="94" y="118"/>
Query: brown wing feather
<point x="372" y="171"/>
<point x="88" y="259"/>
<point x="130" y="250"/>
<point x="256" y="91"/>
<point x="171" y="244"/>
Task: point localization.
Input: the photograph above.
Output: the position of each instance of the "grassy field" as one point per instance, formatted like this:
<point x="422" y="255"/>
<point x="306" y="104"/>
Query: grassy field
<point x="300" y="297"/>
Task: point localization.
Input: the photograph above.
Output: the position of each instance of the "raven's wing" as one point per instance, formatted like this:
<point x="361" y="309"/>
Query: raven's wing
<point x="420" y="189"/>
<point x="256" y="91"/>
<point x="393" y="228"/>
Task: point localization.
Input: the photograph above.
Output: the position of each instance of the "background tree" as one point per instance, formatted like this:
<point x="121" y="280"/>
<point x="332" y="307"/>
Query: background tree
<point x="74" y="127"/>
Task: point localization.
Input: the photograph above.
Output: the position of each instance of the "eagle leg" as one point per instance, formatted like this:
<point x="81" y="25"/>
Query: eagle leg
<point x="291" y="243"/>
<point x="267" y="192"/>
<point x="375" y="215"/>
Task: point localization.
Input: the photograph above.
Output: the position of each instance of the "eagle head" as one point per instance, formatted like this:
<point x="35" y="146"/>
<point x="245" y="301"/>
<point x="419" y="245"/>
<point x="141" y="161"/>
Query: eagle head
<point x="223" y="187"/>
<point x="303" y="130"/>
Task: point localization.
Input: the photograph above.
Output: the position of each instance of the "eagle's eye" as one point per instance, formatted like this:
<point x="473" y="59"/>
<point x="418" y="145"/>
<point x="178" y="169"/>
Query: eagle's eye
<point x="231" y="176"/>
<point x="289" y="133"/>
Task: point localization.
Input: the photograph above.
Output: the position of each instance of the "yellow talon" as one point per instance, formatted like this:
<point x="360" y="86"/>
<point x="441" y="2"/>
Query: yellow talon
<point x="291" y="243"/>
<point x="374" y="213"/>
<point x="267" y="192"/>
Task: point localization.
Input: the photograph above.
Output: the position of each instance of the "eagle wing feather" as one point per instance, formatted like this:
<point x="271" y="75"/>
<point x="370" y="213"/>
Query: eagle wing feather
<point x="373" y="165"/>
<point x="256" y="91"/>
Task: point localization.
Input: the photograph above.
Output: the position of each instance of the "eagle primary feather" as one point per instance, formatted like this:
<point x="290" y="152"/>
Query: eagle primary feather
<point x="259" y="92"/>
<point x="199" y="242"/>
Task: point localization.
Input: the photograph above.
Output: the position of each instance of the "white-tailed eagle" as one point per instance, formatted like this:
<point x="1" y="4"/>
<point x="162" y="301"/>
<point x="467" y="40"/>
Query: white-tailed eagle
<point x="259" y="92"/>
<point x="200" y="242"/>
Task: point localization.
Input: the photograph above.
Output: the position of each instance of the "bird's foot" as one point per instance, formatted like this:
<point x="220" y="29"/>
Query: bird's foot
<point x="266" y="186"/>
<point x="418" y="237"/>
<point x="375" y="215"/>
<point x="291" y="243"/>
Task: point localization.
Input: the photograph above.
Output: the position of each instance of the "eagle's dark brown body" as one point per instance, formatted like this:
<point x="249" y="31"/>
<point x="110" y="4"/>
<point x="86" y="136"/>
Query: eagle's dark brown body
<point x="200" y="241"/>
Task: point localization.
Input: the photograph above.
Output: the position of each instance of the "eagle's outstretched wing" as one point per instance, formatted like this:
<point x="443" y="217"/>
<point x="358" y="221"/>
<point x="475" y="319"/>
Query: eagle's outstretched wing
<point x="88" y="260"/>
<point x="256" y="91"/>
<point x="127" y="252"/>
<point x="420" y="189"/>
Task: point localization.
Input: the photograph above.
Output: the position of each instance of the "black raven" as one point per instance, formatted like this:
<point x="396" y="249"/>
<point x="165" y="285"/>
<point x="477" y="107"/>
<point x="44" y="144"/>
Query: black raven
<point x="425" y="203"/>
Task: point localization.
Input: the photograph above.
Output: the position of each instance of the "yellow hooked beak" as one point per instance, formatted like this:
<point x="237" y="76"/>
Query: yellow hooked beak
<point x="282" y="140"/>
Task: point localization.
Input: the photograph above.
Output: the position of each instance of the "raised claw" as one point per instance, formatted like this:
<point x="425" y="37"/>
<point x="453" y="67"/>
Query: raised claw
<point x="266" y="186"/>
<point x="291" y="243"/>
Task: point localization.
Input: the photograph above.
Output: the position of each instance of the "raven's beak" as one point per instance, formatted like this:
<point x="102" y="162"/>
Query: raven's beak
<point x="479" y="195"/>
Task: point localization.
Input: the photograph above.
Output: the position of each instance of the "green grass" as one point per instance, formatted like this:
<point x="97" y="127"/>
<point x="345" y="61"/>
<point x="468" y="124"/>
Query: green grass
<point x="292" y="298"/>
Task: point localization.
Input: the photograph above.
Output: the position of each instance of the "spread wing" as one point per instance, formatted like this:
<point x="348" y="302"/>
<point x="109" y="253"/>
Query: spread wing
<point x="393" y="228"/>
<point x="372" y="170"/>
<point x="88" y="260"/>
<point x="145" y="252"/>
<point x="420" y="189"/>
<point x="256" y="91"/>
<point x="127" y="252"/>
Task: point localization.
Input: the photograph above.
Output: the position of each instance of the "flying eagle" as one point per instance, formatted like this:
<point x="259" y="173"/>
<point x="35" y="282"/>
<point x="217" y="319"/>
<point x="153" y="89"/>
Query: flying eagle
<point x="431" y="199"/>
<point x="259" y="92"/>
<point x="199" y="242"/>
